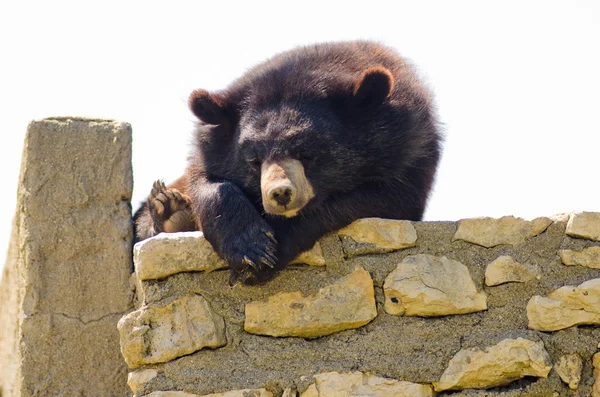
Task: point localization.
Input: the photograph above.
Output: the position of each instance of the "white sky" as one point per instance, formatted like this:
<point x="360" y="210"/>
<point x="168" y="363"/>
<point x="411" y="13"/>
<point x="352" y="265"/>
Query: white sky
<point x="517" y="84"/>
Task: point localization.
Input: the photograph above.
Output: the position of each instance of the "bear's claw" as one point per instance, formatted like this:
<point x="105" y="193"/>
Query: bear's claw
<point x="247" y="261"/>
<point x="256" y="254"/>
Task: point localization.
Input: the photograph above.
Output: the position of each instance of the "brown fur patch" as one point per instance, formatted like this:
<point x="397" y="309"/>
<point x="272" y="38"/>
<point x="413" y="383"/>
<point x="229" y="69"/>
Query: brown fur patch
<point x="207" y="107"/>
<point x="375" y="85"/>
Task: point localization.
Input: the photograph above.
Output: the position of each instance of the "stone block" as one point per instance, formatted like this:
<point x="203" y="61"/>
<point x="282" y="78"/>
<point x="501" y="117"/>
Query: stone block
<point x="497" y="365"/>
<point x="588" y="257"/>
<point x="596" y="375"/>
<point x="347" y="304"/>
<point x="584" y="225"/>
<point x="170" y="253"/>
<point x="137" y="379"/>
<point x="66" y="280"/>
<point x="565" y="307"/>
<point x="569" y="368"/>
<point x="376" y="236"/>
<point x="426" y="285"/>
<point x="162" y="332"/>
<point x="232" y="393"/>
<point x="312" y="257"/>
<point x="357" y="384"/>
<point x="490" y="232"/>
<point x="505" y="269"/>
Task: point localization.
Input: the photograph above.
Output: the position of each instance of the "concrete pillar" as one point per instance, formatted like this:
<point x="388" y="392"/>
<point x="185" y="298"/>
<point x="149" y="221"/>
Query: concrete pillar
<point x="66" y="279"/>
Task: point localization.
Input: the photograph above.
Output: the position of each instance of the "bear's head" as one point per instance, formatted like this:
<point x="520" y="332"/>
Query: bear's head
<point x="293" y="140"/>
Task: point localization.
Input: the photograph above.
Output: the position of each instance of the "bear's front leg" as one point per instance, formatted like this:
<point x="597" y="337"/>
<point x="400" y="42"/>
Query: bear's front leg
<point x="234" y="228"/>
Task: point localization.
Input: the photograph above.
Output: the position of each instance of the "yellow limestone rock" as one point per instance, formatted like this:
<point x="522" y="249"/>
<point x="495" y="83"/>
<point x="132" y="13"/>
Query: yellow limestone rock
<point x="383" y="234"/>
<point x="427" y="285"/>
<point x="584" y="225"/>
<point x="348" y="303"/>
<point x="170" y="253"/>
<point x="161" y="332"/>
<point x="569" y="368"/>
<point x="312" y="257"/>
<point x="505" y="269"/>
<point x="357" y="384"/>
<point x="565" y="307"/>
<point x="489" y="232"/>
<point x="497" y="365"/>
<point x="596" y="374"/>
<point x="589" y="257"/>
<point x="232" y="393"/>
<point x="137" y="379"/>
<point x="290" y="392"/>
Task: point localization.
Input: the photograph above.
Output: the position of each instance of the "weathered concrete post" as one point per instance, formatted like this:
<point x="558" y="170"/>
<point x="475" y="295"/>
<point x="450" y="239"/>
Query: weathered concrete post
<point x="66" y="279"/>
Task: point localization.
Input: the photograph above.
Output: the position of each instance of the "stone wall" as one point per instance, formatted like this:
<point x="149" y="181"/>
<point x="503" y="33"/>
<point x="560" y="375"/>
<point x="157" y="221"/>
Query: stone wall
<point x="481" y="307"/>
<point x="66" y="280"/>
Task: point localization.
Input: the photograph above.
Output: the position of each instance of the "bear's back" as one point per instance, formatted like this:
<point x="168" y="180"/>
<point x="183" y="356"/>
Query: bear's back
<point x="317" y="71"/>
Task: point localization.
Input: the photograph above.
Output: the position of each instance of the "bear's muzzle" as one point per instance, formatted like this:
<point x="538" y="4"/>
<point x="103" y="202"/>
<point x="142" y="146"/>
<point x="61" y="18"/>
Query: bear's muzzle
<point x="284" y="186"/>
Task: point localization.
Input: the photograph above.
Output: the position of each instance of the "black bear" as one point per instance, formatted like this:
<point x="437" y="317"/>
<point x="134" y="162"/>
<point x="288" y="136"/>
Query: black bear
<point x="301" y="145"/>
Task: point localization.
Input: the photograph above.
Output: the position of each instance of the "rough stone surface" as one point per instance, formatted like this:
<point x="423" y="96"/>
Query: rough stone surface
<point x="561" y="218"/>
<point x="596" y="375"/>
<point x="243" y="393"/>
<point x="66" y="280"/>
<point x="162" y="332"/>
<point x="232" y="393"/>
<point x="137" y="379"/>
<point x="505" y="269"/>
<point x="497" y="365"/>
<point x="290" y="392"/>
<point x="347" y="304"/>
<point x="589" y="257"/>
<point x="313" y="257"/>
<point x="11" y="300"/>
<point x="569" y="368"/>
<point x="490" y="232"/>
<point x="357" y="384"/>
<point x="47" y="328"/>
<point x="169" y="253"/>
<point x="565" y="307"/>
<point x="426" y="285"/>
<point x="376" y="235"/>
<point x="584" y="225"/>
<point x="407" y="348"/>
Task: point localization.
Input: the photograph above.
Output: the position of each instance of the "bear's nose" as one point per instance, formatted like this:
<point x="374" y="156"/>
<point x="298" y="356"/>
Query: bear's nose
<point x="282" y="195"/>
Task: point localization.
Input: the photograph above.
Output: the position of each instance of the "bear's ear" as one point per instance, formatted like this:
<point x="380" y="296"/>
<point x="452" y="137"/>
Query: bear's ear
<point x="208" y="107"/>
<point x="374" y="86"/>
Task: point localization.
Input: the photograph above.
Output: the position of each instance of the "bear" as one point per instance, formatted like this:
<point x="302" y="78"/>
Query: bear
<point x="299" y="146"/>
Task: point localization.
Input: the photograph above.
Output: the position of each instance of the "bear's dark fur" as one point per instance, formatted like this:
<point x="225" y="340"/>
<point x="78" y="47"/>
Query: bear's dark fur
<point x="301" y="145"/>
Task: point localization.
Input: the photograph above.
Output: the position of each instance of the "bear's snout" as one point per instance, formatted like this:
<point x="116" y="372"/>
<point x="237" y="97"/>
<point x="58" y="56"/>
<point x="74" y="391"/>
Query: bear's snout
<point x="284" y="187"/>
<point x="282" y="195"/>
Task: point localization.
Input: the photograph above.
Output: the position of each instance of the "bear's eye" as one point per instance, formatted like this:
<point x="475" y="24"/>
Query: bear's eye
<point x="254" y="162"/>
